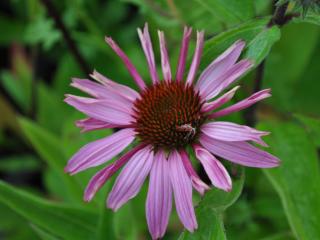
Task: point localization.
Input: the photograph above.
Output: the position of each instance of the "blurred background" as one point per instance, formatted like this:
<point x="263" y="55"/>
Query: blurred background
<point x="44" y="43"/>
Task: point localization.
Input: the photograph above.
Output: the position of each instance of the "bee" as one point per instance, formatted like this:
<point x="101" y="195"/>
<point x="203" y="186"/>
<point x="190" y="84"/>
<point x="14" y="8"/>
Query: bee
<point x="189" y="129"/>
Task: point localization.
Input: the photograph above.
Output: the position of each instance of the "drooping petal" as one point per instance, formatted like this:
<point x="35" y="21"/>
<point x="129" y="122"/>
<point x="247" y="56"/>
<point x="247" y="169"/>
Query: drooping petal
<point x="213" y="88"/>
<point x="159" y="199"/>
<point x="148" y="51"/>
<point x="166" y="70"/>
<point x="131" y="68"/>
<point x="131" y="178"/>
<point x="220" y="65"/>
<point x="183" y="53"/>
<point x="218" y="175"/>
<point x="100" y="151"/>
<point x="232" y="132"/>
<point x="209" y="106"/>
<point x="105" y="110"/>
<point x="256" y="97"/>
<point x="182" y="189"/>
<point x="120" y="89"/>
<point x="197" y="183"/>
<point x="90" y="124"/>
<point x="196" y="57"/>
<point x="241" y="153"/>
<point x="100" y="178"/>
<point x="100" y="91"/>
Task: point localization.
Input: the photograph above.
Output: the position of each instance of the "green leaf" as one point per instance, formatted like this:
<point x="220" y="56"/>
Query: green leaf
<point x="41" y="30"/>
<point x="63" y="221"/>
<point x="48" y="103"/>
<point x="305" y="93"/>
<point x="125" y="214"/>
<point x="260" y="46"/>
<point x="259" y="39"/>
<point x="287" y="63"/>
<point x="18" y="88"/>
<point x="210" y="15"/>
<point x="297" y="178"/>
<point x="105" y="228"/>
<point x="50" y="149"/>
<point x="44" y="235"/>
<point x="312" y="126"/>
<point x="13" y="226"/>
<point x="222" y="14"/>
<point x="210" y="226"/>
<point x="210" y="209"/>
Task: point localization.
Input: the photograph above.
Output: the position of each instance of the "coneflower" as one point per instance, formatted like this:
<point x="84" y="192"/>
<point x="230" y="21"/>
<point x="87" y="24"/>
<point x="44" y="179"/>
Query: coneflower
<point x="165" y="118"/>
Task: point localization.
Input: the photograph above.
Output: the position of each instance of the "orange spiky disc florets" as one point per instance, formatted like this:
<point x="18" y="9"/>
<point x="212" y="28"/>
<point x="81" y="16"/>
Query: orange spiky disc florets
<point x="168" y="115"/>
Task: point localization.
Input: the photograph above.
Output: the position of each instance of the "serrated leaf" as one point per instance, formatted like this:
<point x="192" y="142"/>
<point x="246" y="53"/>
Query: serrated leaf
<point x="297" y="178"/>
<point x="63" y="221"/>
<point x="41" y="30"/>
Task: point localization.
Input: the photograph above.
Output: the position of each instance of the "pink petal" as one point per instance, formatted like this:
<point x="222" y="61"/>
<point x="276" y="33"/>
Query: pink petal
<point x="100" y="151"/>
<point x="131" y="178"/>
<point x="120" y="89"/>
<point x="166" y="70"/>
<point x="197" y="183"/>
<point x="100" y="178"/>
<point x="131" y="68"/>
<point x="231" y="132"/>
<point x="148" y="51"/>
<point x="113" y="112"/>
<point x="196" y="57"/>
<point x="100" y="91"/>
<point x="240" y="152"/>
<point x="208" y="107"/>
<point x="92" y="88"/>
<point x="215" y="170"/>
<point x="159" y="199"/>
<point x="182" y="189"/>
<point x="213" y="88"/>
<point x="96" y="182"/>
<point x="183" y="53"/>
<point x="256" y="97"/>
<point x="90" y="124"/>
<point x="220" y="65"/>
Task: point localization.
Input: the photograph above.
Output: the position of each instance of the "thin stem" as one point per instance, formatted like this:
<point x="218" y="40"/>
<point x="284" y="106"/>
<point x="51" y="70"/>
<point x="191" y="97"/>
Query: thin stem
<point x="279" y="18"/>
<point x="66" y="35"/>
<point x="279" y="15"/>
<point x="34" y="81"/>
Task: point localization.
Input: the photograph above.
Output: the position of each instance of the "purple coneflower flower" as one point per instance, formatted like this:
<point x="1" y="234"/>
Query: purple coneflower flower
<point x="167" y="117"/>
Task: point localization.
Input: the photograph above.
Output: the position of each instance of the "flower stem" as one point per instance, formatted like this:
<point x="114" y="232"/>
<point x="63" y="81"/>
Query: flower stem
<point x="279" y="18"/>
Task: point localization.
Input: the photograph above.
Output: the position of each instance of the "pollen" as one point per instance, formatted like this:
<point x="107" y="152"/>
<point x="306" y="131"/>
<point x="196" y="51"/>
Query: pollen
<point x="168" y="115"/>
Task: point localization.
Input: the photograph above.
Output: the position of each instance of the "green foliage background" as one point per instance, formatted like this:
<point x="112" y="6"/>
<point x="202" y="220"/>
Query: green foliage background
<point x="37" y="133"/>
